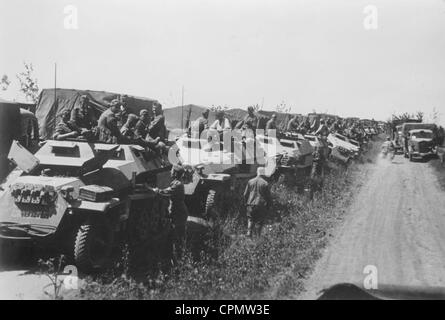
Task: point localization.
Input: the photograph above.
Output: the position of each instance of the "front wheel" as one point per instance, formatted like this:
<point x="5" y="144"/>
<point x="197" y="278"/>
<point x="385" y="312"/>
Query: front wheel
<point x="93" y="245"/>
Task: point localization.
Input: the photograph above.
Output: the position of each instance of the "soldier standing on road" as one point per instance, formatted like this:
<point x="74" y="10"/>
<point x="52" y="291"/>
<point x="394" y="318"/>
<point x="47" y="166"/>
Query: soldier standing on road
<point x="258" y="200"/>
<point x="177" y="209"/>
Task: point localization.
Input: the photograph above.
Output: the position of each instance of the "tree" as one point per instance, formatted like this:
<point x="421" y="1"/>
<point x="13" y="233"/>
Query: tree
<point x="28" y="84"/>
<point x="4" y="82"/>
<point x="283" y="108"/>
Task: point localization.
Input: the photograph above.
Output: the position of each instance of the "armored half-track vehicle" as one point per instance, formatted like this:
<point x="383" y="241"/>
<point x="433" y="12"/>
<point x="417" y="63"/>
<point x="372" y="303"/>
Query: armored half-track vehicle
<point x="215" y="168"/>
<point x="294" y="158"/>
<point x="81" y="198"/>
<point x="343" y="148"/>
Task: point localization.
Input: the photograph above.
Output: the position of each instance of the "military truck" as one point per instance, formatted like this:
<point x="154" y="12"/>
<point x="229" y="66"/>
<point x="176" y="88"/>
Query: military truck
<point x="81" y="199"/>
<point x="421" y="144"/>
<point x="16" y="123"/>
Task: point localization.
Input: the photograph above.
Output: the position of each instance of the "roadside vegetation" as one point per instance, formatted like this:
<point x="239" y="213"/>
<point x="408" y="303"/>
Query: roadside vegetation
<point x="273" y="266"/>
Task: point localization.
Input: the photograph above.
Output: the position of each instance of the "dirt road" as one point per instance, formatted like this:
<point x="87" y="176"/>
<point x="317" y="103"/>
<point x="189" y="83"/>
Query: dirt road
<point x="395" y="223"/>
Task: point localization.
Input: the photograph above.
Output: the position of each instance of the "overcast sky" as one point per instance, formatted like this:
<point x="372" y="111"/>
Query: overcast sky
<point x="313" y="54"/>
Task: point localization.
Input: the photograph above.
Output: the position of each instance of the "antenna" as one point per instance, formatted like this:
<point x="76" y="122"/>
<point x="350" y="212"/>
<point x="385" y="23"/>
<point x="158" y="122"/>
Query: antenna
<point x="182" y="110"/>
<point x="55" y="84"/>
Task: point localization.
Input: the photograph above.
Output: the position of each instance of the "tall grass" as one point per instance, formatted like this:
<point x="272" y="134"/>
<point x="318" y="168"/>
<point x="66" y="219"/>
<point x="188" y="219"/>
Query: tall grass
<point x="272" y="266"/>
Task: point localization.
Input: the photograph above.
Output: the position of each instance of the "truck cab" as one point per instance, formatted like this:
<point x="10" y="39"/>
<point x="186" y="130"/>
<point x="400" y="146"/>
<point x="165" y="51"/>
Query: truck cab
<point x="421" y="144"/>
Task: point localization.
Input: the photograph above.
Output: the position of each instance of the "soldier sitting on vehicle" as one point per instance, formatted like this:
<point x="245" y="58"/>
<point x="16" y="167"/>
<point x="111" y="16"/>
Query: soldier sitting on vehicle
<point x="122" y="116"/>
<point x="258" y="200"/>
<point x="177" y="209"/>
<point x="292" y="125"/>
<point x="221" y="123"/>
<point x="250" y="121"/>
<point x="141" y="130"/>
<point x="128" y="128"/>
<point x="82" y="116"/>
<point x="157" y="128"/>
<point x="272" y="123"/>
<point x="65" y="128"/>
<point x="322" y="129"/>
<point x="107" y="125"/>
<point x="200" y="124"/>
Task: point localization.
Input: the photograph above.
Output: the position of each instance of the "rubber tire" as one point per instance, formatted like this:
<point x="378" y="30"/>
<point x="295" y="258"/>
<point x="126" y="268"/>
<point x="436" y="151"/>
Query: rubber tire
<point x="82" y="255"/>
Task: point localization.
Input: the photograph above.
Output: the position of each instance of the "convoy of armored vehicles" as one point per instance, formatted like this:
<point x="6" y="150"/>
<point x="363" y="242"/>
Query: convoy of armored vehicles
<point x="84" y="198"/>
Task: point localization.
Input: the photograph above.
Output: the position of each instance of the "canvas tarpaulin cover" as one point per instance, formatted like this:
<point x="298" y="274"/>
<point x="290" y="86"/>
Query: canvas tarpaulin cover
<point x="51" y="105"/>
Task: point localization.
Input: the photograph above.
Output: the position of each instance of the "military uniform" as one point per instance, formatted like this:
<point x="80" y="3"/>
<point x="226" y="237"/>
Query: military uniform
<point x="157" y="128"/>
<point x="63" y="128"/>
<point x="271" y="125"/>
<point x="108" y="129"/>
<point x="177" y="211"/>
<point x="82" y="118"/>
<point x="292" y="125"/>
<point x="257" y="197"/>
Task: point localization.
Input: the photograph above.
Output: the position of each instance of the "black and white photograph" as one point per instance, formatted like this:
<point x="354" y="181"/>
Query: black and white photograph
<point x="221" y="156"/>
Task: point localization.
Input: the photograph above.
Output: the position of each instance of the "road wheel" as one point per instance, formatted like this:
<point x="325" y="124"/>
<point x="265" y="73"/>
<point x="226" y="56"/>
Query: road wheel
<point x="93" y="245"/>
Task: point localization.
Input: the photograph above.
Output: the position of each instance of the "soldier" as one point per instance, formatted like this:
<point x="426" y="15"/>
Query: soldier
<point x="177" y="209"/>
<point x="82" y="116"/>
<point x="128" y="129"/>
<point x="122" y="116"/>
<point x="107" y="125"/>
<point x="272" y="123"/>
<point x="322" y="129"/>
<point x="258" y="200"/>
<point x="157" y="128"/>
<point x="305" y="126"/>
<point x="221" y="123"/>
<point x="65" y="129"/>
<point x="200" y="124"/>
<point x="292" y="125"/>
<point x="141" y="129"/>
<point x="250" y="121"/>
